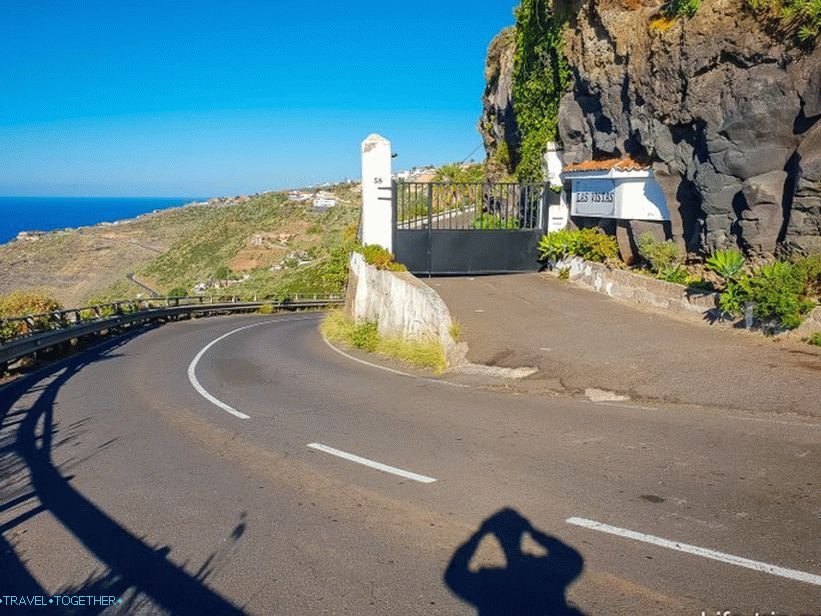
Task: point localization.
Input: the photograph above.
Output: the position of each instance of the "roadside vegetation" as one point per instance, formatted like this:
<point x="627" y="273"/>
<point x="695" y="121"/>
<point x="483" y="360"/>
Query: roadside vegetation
<point x="589" y="244"/>
<point x="19" y="303"/>
<point x="338" y="328"/>
<point x="380" y="258"/>
<point x="780" y="293"/>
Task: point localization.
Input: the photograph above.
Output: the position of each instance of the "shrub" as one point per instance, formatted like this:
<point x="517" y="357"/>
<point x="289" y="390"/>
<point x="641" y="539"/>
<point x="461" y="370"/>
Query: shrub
<point x="488" y="221"/>
<point x="778" y="291"/>
<point x="222" y="273"/>
<point x="682" y="8"/>
<point x="661" y="256"/>
<point x="800" y="18"/>
<point x="558" y="245"/>
<point x="381" y="259"/>
<point x="815" y="339"/>
<point x="588" y="244"/>
<point x="564" y="273"/>
<point x="726" y="263"/>
<point x="21" y="303"/>
<point x="675" y="274"/>
<point x="365" y="336"/>
<point x="734" y="296"/>
<point x="594" y="245"/>
<point x="266" y="309"/>
<point x="810" y="268"/>
<point x="178" y="292"/>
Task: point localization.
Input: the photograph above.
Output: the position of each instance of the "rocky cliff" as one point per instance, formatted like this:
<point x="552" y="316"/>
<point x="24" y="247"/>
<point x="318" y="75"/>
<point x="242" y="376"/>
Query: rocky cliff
<point x="725" y="108"/>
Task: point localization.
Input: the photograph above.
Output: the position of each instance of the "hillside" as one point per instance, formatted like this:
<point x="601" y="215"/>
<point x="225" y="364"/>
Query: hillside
<point x="270" y="242"/>
<point x="721" y="97"/>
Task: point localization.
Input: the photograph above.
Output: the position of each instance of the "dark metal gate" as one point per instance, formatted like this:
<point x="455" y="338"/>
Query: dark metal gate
<point x="468" y="228"/>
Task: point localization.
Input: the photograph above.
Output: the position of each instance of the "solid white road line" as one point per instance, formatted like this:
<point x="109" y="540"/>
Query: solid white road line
<point x="755" y="565"/>
<point x="192" y="367"/>
<point x="333" y="347"/>
<point x="373" y="464"/>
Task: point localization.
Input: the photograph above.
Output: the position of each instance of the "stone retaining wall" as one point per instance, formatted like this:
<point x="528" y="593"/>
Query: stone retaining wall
<point x="643" y="290"/>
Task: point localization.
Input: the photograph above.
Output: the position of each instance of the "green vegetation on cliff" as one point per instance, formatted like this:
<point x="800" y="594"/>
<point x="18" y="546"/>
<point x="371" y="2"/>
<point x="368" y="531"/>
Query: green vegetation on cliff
<point x="799" y="18"/>
<point x="802" y="18"/>
<point x="540" y="76"/>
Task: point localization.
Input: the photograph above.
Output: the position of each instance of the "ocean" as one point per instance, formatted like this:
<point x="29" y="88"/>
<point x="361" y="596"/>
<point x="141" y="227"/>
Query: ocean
<point x="50" y="213"/>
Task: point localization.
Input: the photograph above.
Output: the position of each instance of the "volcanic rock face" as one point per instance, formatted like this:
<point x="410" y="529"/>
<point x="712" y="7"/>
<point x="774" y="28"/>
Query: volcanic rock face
<point x="726" y="112"/>
<point x="498" y="123"/>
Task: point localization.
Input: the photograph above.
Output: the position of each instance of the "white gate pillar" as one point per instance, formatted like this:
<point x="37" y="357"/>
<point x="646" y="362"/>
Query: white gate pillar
<point x="377" y="206"/>
<point x="558" y="214"/>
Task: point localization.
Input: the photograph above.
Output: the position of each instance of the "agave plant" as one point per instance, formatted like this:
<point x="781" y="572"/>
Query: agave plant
<point x="726" y="263"/>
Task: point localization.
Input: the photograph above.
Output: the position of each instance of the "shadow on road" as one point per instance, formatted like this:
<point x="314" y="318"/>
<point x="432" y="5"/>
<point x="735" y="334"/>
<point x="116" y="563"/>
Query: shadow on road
<point x="139" y="573"/>
<point x="528" y="584"/>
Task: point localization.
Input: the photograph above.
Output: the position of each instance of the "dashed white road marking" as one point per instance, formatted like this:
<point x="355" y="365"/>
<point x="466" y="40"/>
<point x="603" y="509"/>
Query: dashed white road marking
<point x="192" y="367"/>
<point x="755" y="565"/>
<point x="372" y="463"/>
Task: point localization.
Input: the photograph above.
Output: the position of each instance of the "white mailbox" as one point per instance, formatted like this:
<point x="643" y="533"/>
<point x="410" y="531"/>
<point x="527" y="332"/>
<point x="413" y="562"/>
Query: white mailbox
<point x="621" y="189"/>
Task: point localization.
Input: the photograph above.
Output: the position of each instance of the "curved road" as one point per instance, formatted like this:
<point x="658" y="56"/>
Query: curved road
<point x="338" y="488"/>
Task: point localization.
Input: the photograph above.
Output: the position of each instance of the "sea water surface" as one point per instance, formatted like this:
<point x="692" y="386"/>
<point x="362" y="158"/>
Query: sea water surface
<point x="50" y="213"/>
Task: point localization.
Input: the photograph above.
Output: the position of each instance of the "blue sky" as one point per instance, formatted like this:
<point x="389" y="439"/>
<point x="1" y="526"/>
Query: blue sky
<point x="219" y="98"/>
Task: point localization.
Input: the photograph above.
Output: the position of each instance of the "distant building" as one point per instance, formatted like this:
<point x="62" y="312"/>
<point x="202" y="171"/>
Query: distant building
<point x="30" y="236"/>
<point x="298" y="196"/>
<point x="322" y="203"/>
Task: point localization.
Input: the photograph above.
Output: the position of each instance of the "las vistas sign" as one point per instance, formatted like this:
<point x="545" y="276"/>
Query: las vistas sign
<point x="594" y="198"/>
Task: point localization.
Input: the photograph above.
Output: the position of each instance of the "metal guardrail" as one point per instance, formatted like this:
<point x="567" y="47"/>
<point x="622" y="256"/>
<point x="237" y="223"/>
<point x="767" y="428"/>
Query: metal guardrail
<point x="46" y="330"/>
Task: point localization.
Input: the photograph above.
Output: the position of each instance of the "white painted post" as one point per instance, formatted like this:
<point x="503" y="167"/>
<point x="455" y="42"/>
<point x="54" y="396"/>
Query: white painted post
<point x="376" y="192"/>
<point x="553" y="162"/>
<point x="558" y="214"/>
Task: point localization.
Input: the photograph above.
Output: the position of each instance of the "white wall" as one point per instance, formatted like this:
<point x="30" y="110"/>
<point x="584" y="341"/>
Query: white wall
<point x="554" y="164"/>
<point x="641" y="200"/>
<point x="376" y="193"/>
<point x="401" y="305"/>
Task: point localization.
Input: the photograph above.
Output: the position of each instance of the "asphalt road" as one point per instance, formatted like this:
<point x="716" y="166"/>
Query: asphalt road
<point x="120" y="475"/>
<point x="579" y="339"/>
